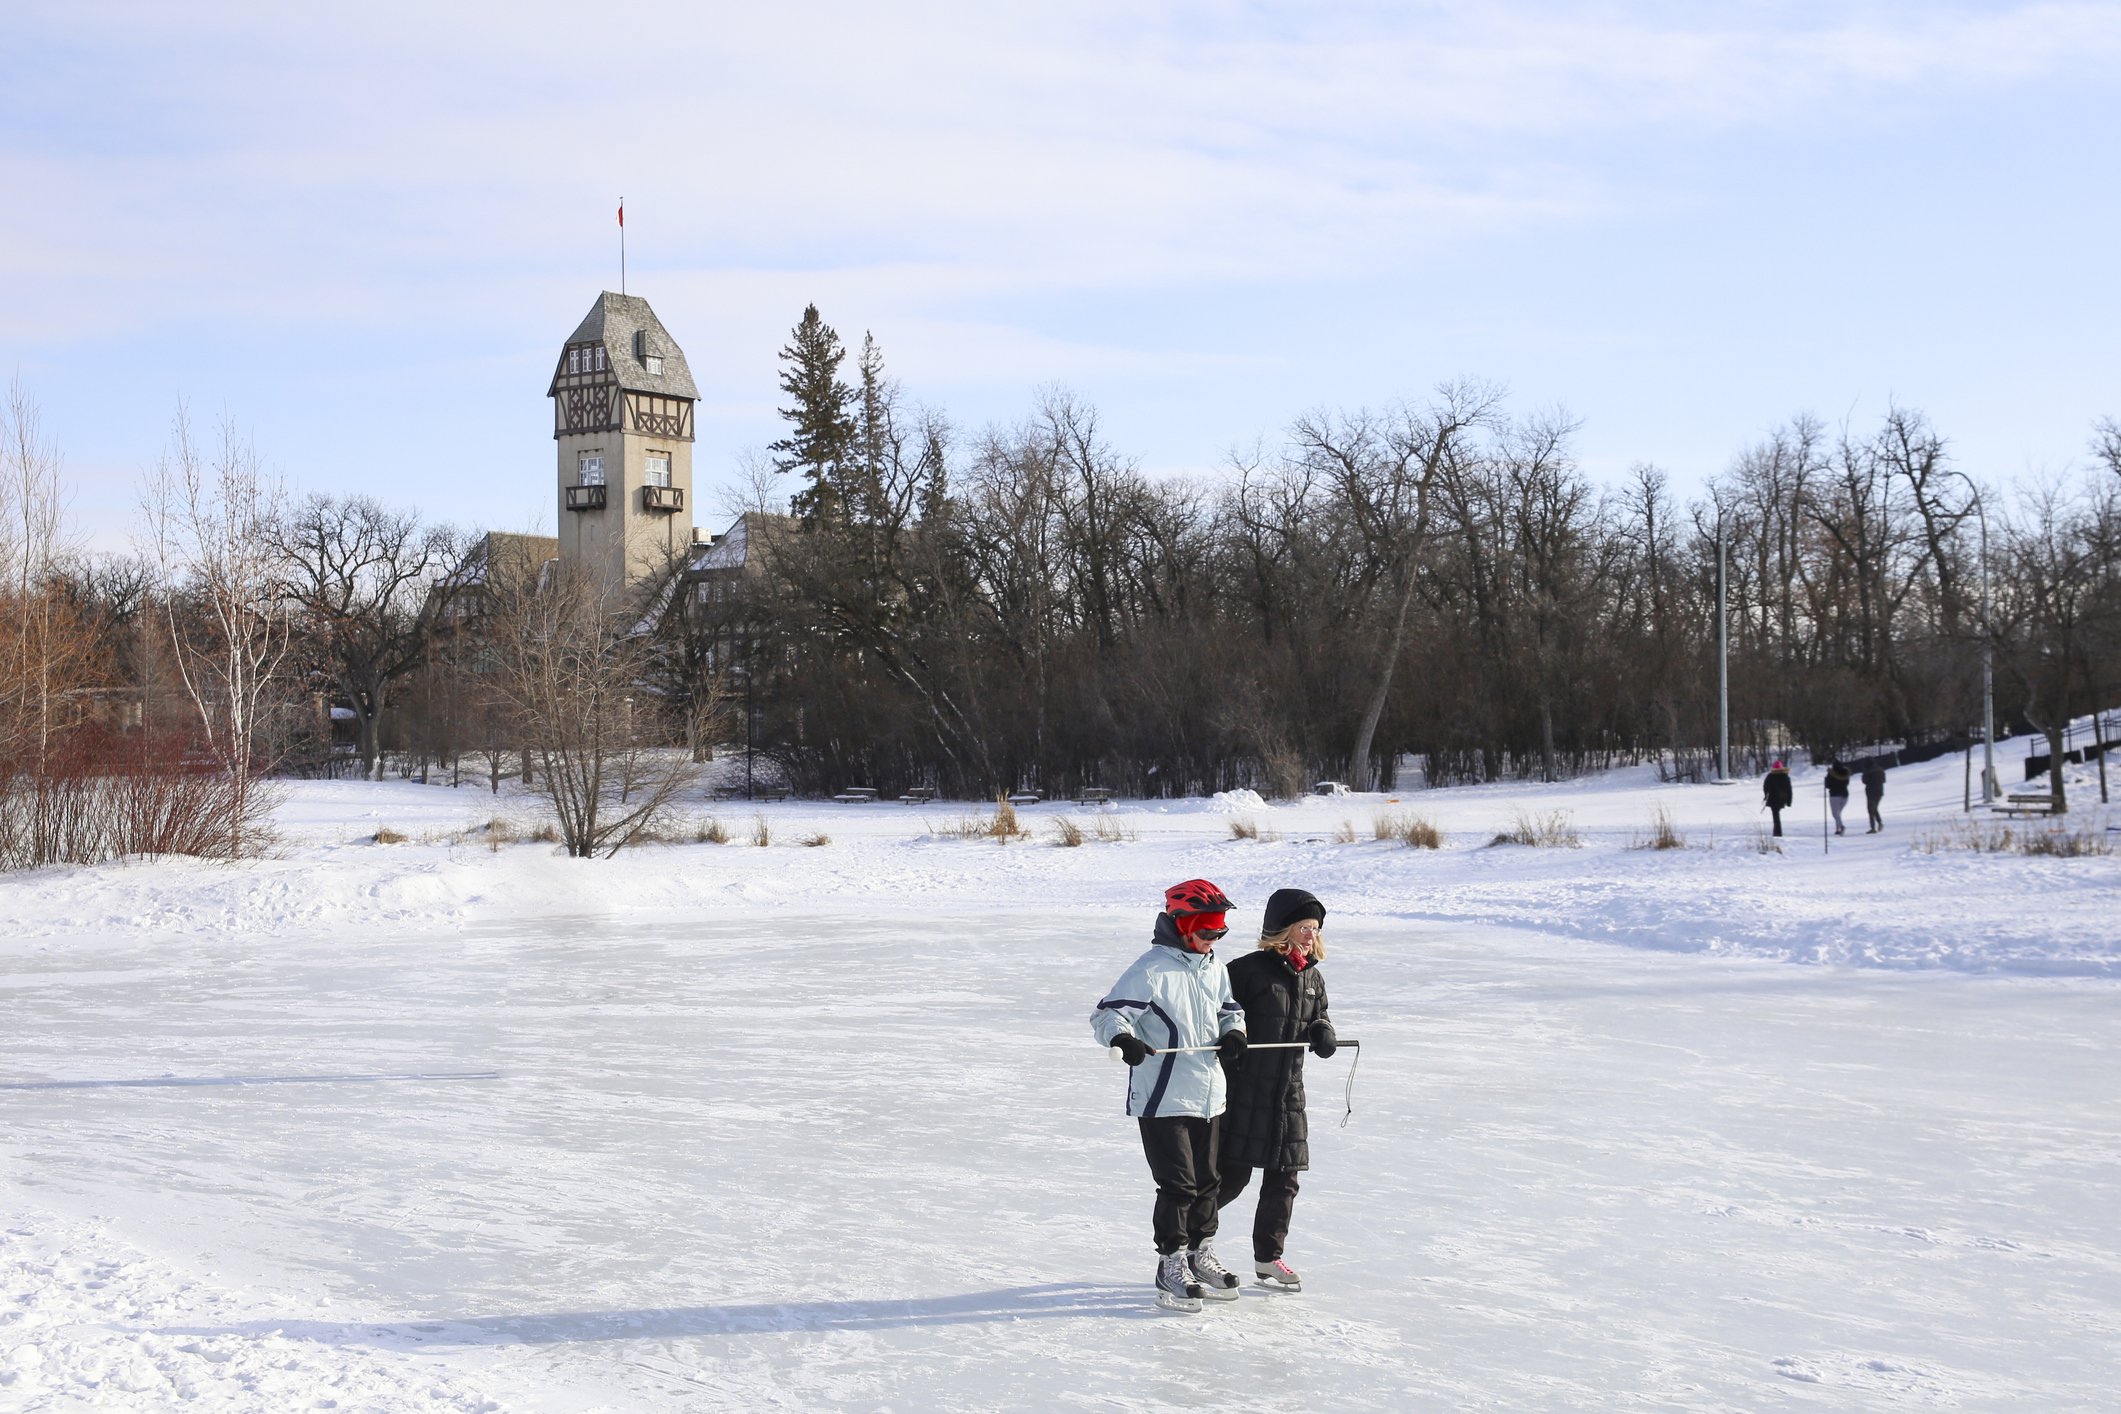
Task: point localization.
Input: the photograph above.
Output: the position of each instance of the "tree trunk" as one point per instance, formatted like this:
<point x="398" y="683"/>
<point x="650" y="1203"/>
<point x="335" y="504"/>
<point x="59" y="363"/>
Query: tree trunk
<point x="1359" y="763"/>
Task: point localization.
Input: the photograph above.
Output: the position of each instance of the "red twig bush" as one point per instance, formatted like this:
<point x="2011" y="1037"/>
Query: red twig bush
<point x="94" y="795"/>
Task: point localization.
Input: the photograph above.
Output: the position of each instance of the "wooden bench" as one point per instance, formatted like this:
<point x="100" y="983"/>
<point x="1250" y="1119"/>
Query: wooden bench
<point x="2026" y="805"/>
<point x="1023" y="797"/>
<point x="1333" y="788"/>
<point x="727" y="792"/>
<point x="856" y="795"/>
<point x="919" y="795"/>
<point x="1094" y="795"/>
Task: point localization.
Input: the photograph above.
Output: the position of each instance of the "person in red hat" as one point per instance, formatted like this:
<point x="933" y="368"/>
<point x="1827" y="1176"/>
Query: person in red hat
<point x="1171" y="1016"/>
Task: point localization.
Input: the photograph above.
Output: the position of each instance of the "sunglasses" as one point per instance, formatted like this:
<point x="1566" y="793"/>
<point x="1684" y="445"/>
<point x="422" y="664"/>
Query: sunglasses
<point x="1210" y="934"/>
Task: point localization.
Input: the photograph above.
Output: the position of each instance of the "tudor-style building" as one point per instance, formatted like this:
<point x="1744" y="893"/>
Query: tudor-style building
<point x="622" y="410"/>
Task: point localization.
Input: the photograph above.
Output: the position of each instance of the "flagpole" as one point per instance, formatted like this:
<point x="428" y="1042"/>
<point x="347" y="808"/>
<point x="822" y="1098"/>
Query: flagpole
<point x="622" y="245"/>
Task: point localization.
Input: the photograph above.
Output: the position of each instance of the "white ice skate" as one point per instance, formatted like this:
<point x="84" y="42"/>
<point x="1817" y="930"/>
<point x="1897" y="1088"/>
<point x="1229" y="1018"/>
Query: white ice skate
<point x="1277" y="1275"/>
<point x="1176" y="1290"/>
<point x="1217" y="1282"/>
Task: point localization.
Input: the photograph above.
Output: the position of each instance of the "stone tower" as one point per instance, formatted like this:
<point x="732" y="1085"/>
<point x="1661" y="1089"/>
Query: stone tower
<point x="622" y="402"/>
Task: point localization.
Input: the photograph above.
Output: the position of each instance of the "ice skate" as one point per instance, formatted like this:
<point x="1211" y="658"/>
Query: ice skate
<point x="1277" y="1275"/>
<point x="1176" y="1290"/>
<point x="1216" y="1281"/>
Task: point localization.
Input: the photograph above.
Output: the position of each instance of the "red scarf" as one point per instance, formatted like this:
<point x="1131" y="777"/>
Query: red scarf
<point x="1297" y="961"/>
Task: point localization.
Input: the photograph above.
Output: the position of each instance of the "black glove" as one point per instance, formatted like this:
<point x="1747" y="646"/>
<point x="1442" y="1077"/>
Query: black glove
<point x="1323" y="1042"/>
<point x="1232" y="1046"/>
<point x="1131" y="1050"/>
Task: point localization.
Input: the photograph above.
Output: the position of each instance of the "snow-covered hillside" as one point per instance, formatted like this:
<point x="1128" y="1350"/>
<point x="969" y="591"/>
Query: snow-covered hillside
<point x="728" y="1127"/>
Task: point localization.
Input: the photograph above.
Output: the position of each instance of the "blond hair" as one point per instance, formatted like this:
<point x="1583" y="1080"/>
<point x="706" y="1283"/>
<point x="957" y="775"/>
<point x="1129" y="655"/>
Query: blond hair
<point x="1280" y="942"/>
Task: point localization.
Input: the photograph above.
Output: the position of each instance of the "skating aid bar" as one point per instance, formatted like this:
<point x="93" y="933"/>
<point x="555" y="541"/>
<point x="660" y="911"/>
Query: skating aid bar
<point x="1347" y="1098"/>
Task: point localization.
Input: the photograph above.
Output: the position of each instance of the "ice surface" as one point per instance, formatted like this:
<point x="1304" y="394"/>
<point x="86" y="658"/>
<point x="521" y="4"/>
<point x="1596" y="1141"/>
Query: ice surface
<point x="824" y="1129"/>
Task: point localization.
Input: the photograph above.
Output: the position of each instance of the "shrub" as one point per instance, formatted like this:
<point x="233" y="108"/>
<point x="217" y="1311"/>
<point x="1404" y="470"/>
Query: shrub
<point x="710" y="831"/>
<point x="2059" y="841"/>
<point x="1414" y="831"/>
<point x="1550" y="830"/>
<point x="1243" y="827"/>
<point x="818" y="838"/>
<point x="1663" y="833"/>
<point x="1111" y="830"/>
<point x="1346" y="833"/>
<point x="545" y="832"/>
<point x="1066" y="833"/>
<point x="386" y="835"/>
<point x="761" y="832"/>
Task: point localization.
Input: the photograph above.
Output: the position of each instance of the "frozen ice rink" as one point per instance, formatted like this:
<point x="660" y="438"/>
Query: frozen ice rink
<point x="812" y="1151"/>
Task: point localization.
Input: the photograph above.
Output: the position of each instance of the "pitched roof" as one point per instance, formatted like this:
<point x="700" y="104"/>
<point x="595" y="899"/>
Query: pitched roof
<point x="613" y="321"/>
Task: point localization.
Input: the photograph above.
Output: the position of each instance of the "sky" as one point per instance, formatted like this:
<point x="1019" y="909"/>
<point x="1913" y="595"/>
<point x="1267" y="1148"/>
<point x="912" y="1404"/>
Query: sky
<point x="362" y="233"/>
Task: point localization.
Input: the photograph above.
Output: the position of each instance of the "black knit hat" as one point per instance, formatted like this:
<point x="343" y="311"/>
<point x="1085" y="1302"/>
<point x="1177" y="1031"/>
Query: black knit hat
<point x="1286" y="906"/>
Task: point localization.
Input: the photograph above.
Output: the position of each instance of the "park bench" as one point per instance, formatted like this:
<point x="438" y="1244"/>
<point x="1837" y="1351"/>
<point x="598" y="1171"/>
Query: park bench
<point x="919" y="795"/>
<point x="1023" y="797"/>
<point x="1335" y="788"/>
<point x="2026" y="805"/>
<point x="1093" y="795"/>
<point x="856" y="795"/>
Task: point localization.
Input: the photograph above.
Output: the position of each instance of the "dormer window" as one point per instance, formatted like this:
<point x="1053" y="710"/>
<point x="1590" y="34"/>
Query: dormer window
<point x="651" y="359"/>
<point x="574" y="360"/>
<point x="654" y="364"/>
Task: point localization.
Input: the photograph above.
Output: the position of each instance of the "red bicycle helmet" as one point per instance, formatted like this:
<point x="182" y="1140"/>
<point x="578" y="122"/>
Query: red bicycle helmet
<point x="1195" y="896"/>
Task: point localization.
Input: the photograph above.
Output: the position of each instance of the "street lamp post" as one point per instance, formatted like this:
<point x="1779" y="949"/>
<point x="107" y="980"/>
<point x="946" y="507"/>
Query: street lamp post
<point x="1723" y="663"/>
<point x="1988" y="657"/>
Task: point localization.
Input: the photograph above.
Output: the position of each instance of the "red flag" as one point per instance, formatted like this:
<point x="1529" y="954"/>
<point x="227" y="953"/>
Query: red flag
<point x="622" y="213"/>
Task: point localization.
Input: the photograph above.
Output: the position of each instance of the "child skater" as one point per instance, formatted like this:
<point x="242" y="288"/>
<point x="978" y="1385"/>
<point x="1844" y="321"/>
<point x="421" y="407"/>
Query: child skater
<point x="1175" y="996"/>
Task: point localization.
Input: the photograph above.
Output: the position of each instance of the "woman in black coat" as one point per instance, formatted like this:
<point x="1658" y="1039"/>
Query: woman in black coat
<point x="1265" y="1127"/>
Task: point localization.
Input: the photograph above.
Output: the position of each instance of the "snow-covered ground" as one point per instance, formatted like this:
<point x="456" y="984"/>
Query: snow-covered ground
<point x="822" y="1127"/>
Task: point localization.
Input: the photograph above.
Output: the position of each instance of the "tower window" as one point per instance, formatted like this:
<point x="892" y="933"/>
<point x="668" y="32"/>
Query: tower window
<point x="657" y="470"/>
<point x="600" y="358"/>
<point x="591" y="467"/>
<point x="654" y="364"/>
<point x="574" y="360"/>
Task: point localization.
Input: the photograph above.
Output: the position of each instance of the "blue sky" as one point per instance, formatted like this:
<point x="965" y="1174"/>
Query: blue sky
<point x="364" y="235"/>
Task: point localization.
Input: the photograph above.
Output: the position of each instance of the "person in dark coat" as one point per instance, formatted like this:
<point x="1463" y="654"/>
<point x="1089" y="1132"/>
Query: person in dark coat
<point x="1837" y="793"/>
<point x="1779" y="792"/>
<point x="1873" y="792"/>
<point x="1265" y="1126"/>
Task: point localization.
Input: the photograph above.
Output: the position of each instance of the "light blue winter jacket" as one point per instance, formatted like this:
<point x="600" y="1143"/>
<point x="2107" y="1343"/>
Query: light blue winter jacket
<point x="1171" y="996"/>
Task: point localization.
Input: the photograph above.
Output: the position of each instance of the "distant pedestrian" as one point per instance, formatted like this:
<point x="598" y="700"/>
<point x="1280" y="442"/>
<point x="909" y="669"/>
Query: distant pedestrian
<point x="1873" y="792"/>
<point x="1266" y="1127"/>
<point x="1837" y="793"/>
<point x="1779" y="792"/>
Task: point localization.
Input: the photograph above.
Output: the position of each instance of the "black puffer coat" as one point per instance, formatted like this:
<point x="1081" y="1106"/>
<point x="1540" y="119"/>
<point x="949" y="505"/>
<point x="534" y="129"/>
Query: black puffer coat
<point x="1265" y="1127"/>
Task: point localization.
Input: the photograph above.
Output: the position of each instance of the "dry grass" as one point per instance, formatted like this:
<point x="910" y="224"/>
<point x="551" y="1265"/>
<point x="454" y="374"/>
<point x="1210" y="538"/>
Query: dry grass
<point x="761" y="832"/>
<point x="1112" y="830"/>
<point x="2056" y="841"/>
<point x="544" y="832"/>
<point x="1664" y="834"/>
<point x="815" y="840"/>
<point x="1412" y="830"/>
<point x="710" y="831"/>
<point x="1002" y="825"/>
<point x="1346" y="833"/>
<point x="1764" y="841"/>
<point x="1547" y="830"/>
<point x="1066" y="833"/>
<point x="386" y="835"/>
<point x="1243" y="827"/>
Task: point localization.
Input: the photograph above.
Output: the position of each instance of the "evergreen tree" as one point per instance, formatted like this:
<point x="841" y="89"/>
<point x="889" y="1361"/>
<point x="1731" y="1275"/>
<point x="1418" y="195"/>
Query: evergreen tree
<point x="823" y="441"/>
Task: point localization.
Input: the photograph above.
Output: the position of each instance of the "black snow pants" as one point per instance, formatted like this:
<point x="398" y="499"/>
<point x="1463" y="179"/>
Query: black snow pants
<point x="1870" y="803"/>
<point x="1776" y="811"/>
<point x="1277" y="1202"/>
<point x="1181" y="1152"/>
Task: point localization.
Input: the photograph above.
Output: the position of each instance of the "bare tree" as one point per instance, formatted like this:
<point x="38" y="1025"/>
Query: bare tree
<point x="364" y="579"/>
<point x="575" y="674"/>
<point x="1384" y="468"/>
<point x="213" y="520"/>
<point x="47" y="653"/>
